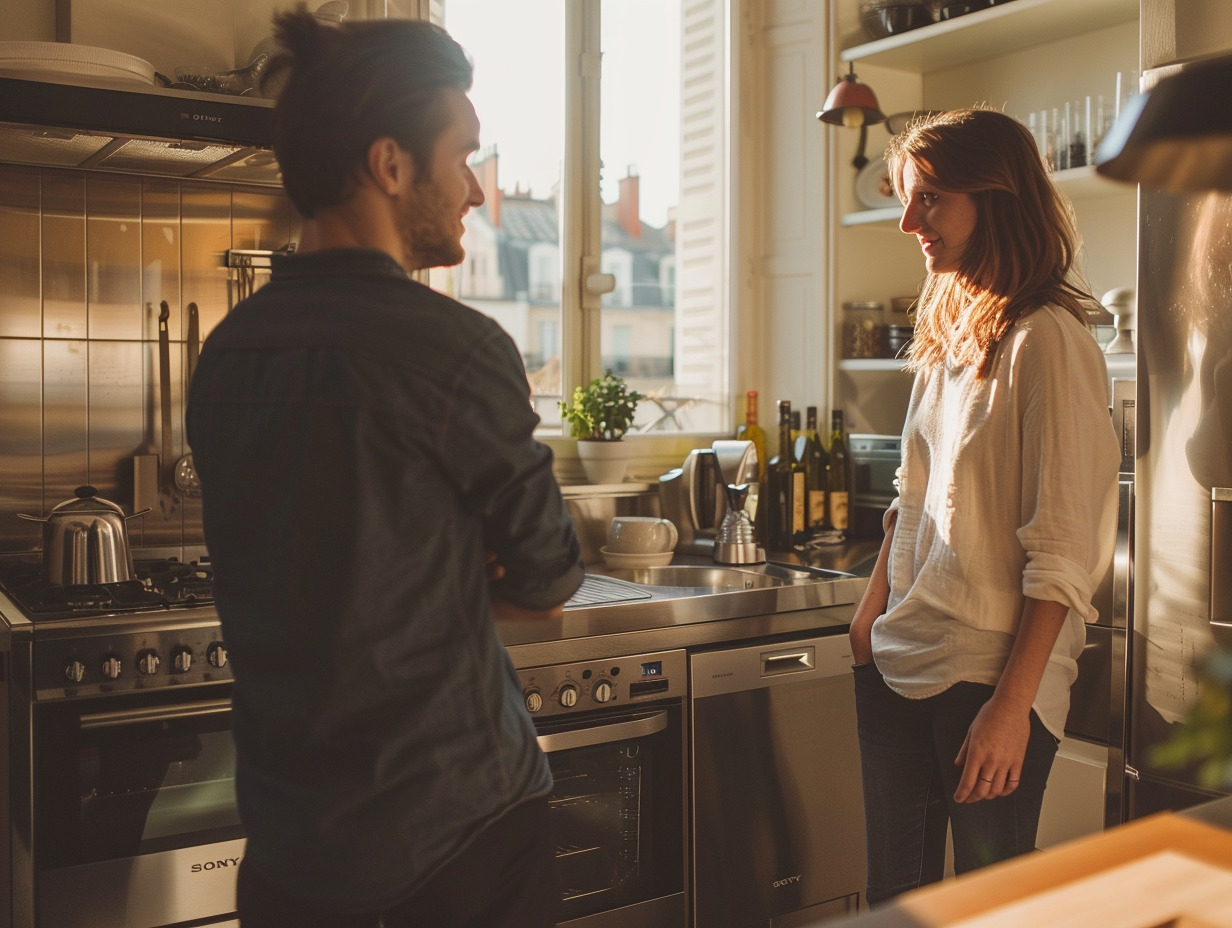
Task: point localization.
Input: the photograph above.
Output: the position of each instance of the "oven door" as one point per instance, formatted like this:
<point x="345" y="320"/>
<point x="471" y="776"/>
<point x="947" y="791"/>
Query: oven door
<point x="136" y="823"/>
<point x="618" y="815"/>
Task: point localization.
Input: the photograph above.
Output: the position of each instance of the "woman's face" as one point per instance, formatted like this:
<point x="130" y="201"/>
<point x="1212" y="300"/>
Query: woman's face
<point x="942" y="222"/>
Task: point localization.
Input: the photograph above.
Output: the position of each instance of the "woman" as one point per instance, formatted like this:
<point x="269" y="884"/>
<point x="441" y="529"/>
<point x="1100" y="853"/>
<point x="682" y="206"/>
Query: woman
<point x="966" y="639"/>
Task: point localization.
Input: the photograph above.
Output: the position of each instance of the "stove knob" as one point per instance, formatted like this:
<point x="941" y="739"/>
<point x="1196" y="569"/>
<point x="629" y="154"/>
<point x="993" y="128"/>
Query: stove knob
<point x="603" y="691"/>
<point x="534" y="699"/>
<point x="181" y="660"/>
<point x="111" y="668"/>
<point x="74" y="671"/>
<point x="216" y="654"/>
<point x="568" y="695"/>
<point x="147" y="663"/>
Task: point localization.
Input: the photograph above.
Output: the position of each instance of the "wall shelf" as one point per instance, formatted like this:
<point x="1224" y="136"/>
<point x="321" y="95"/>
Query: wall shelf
<point x="871" y="364"/>
<point x="1078" y="183"/>
<point x="991" y="32"/>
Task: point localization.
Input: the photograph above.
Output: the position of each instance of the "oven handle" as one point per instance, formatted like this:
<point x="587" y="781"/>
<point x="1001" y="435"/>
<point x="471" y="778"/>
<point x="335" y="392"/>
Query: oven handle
<point x="636" y="727"/>
<point x="155" y="714"/>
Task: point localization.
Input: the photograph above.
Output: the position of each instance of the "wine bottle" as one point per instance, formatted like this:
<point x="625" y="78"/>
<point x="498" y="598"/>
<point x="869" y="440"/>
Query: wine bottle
<point x="785" y="483"/>
<point x="751" y="431"/>
<point x="837" y="476"/>
<point x="816" y="460"/>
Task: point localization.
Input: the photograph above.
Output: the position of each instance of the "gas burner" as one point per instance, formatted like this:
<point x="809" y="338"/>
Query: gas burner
<point x="161" y="584"/>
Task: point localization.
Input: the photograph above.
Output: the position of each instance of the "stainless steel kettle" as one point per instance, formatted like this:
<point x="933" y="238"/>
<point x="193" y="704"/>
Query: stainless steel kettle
<point x="85" y="540"/>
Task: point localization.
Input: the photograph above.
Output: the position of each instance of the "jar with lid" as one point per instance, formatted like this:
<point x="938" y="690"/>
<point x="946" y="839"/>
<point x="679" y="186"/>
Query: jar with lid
<point x="863" y="329"/>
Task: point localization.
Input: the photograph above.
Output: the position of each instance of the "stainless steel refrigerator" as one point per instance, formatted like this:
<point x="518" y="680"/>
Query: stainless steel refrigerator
<point x="1178" y="609"/>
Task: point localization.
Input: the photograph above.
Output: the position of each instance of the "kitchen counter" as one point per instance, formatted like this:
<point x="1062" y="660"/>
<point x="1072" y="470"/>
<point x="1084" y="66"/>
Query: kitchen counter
<point x="1076" y="869"/>
<point x="672" y="617"/>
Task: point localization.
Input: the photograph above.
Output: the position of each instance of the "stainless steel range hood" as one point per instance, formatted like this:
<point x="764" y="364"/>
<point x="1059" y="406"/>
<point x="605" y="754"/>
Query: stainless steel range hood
<point x="148" y="131"/>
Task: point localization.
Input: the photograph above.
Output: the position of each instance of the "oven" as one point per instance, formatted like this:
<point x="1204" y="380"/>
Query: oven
<point x="119" y="800"/>
<point x="614" y="734"/>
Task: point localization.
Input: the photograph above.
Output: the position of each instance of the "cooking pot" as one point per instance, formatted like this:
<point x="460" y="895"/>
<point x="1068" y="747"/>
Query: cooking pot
<point x="85" y="540"/>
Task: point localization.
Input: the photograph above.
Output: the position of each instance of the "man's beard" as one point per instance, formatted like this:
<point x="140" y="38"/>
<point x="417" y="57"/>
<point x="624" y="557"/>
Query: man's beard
<point x="426" y="227"/>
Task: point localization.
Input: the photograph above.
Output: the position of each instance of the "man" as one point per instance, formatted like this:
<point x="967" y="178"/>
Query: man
<point x="367" y="464"/>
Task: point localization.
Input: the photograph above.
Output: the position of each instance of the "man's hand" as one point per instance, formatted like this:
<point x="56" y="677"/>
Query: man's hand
<point x="494" y="568"/>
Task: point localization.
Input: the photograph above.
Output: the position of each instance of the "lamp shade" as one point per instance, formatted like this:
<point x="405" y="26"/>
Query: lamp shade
<point x="1177" y="136"/>
<point x="851" y="104"/>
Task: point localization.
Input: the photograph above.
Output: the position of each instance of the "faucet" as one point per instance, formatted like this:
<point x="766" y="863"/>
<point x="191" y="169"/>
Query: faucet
<point x="734" y="542"/>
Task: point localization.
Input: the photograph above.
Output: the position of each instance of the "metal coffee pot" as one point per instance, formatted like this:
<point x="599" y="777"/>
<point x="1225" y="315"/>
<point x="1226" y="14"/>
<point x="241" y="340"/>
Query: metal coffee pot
<point x="85" y="541"/>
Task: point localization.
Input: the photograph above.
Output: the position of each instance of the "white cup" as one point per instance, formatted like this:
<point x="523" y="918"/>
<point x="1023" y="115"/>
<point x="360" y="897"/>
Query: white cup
<point x="641" y="535"/>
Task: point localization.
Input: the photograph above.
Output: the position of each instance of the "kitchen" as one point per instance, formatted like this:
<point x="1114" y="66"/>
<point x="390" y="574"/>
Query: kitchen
<point x="775" y="305"/>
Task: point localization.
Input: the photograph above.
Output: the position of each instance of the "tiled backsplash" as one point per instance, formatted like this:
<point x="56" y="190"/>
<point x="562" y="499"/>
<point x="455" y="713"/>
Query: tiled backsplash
<point x="85" y="260"/>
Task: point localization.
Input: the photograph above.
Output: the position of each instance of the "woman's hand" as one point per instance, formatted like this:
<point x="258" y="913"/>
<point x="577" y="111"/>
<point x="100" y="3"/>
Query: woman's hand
<point x="873" y="602"/>
<point x="992" y="753"/>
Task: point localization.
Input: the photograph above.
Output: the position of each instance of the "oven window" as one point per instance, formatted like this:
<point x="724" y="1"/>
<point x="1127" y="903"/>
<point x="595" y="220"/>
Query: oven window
<point x="618" y="821"/>
<point x="125" y="783"/>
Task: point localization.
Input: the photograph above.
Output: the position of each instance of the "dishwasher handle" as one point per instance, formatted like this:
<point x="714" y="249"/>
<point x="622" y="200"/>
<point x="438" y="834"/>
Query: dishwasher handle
<point x="794" y="660"/>
<point x="638" y="726"/>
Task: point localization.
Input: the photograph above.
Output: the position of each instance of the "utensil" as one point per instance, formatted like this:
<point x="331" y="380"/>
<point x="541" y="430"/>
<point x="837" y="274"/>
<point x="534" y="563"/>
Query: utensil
<point x="85" y="540"/>
<point x="186" y="479"/>
<point x="164" y="391"/>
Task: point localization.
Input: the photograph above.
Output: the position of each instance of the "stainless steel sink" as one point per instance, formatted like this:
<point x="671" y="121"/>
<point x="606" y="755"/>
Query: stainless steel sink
<point x="699" y="576"/>
<point x="718" y="577"/>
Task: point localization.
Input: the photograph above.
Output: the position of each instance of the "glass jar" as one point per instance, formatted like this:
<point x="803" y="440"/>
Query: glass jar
<point x="863" y="329"/>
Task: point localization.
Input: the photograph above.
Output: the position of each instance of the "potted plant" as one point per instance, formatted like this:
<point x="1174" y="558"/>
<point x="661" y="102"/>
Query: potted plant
<point x="599" y="415"/>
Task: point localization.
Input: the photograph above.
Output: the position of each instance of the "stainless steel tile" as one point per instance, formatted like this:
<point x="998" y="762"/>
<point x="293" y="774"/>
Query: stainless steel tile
<point x="115" y="428"/>
<point x="21" y="441"/>
<point x="160" y="255"/>
<point x="65" y="417"/>
<point x="20" y="298"/>
<point x="113" y="257"/>
<point x="206" y="227"/>
<point x="64" y="255"/>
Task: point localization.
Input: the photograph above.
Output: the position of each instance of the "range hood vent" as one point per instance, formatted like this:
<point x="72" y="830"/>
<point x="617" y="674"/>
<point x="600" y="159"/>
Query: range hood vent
<point x="154" y="131"/>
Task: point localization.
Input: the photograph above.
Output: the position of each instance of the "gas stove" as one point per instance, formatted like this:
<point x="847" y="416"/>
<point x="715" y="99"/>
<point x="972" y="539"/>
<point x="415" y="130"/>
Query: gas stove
<point x="157" y="630"/>
<point x="161" y="583"/>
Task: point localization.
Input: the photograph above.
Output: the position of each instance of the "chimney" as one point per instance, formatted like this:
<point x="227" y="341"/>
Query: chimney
<point x="486" y="172"/>
<point x="627" y="207"/>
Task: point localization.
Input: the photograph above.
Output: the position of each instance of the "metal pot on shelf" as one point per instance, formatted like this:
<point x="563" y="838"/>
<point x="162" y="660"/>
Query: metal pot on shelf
<point x="85" y="541"/>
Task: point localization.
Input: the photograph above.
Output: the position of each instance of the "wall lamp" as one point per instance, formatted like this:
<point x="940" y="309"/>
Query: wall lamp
<point x="853" y="105"/>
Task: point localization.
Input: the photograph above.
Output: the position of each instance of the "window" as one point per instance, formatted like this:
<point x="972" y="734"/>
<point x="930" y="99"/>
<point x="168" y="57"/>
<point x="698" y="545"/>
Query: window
<point x="613" y="168"/>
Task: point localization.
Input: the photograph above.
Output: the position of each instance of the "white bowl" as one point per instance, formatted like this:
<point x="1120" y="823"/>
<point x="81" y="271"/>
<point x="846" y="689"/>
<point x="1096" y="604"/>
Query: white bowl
<point x="622" y="560"/>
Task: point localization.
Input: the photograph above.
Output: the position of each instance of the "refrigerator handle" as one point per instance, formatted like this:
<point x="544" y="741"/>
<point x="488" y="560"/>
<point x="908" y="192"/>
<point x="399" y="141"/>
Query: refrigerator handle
<point x="1220" y="570"/>
<point x="1122" y="562"/>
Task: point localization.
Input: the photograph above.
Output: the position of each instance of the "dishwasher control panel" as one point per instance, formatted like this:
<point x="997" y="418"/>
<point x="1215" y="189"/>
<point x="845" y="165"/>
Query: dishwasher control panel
<point x="615" y="682"/>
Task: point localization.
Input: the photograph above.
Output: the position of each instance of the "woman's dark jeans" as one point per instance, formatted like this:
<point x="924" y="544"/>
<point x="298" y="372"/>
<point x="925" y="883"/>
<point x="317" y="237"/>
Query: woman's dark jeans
<point x="907" y="751"/>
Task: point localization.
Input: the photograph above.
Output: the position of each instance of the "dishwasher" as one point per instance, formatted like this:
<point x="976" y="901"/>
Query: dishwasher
<point x="778" y="813"/>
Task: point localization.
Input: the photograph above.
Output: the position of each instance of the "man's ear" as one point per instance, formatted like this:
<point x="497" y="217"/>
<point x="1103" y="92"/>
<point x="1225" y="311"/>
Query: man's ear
<point x="390" y="166"/>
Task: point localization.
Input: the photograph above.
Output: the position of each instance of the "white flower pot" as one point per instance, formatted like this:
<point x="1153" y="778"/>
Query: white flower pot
<point x="604" y="461"/>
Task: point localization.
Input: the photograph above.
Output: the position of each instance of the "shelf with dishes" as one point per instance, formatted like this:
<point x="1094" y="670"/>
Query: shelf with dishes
<point x="872" y="364"/>
<point x="1078" y="183"/>
<point x="1007" y="26"/>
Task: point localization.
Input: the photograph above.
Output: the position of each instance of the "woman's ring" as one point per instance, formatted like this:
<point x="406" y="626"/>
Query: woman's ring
<point x="985" y="780"/>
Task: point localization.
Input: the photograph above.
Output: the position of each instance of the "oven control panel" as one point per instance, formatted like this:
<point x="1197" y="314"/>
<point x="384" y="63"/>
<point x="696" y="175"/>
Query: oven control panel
<point x="579" y="687"/>
<point x="129" y="661"/>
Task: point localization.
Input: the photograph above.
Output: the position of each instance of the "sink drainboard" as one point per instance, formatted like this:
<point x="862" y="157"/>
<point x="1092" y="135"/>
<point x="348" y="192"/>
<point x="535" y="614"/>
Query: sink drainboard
<point x="600" y="591"/>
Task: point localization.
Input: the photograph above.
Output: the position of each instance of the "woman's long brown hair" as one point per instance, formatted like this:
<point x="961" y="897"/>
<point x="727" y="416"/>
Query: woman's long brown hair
<point x="1022" y="252"/>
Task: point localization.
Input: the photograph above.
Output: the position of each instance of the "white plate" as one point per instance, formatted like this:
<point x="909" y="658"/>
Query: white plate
<point x="64" y="59"/>
<point x="633" y="561"/>
<point x="868" y="185"/>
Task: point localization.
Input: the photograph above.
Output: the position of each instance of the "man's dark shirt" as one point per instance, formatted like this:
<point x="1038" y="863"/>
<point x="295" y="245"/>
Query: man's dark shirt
<point x="362" y="441"/>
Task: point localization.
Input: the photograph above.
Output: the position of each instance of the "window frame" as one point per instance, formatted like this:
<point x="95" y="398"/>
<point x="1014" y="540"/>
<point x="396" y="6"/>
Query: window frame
<point x="583" y="282"/>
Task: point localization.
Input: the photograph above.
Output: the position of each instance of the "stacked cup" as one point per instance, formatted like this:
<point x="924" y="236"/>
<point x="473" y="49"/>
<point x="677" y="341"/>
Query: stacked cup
<point x="639" y="541"/>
